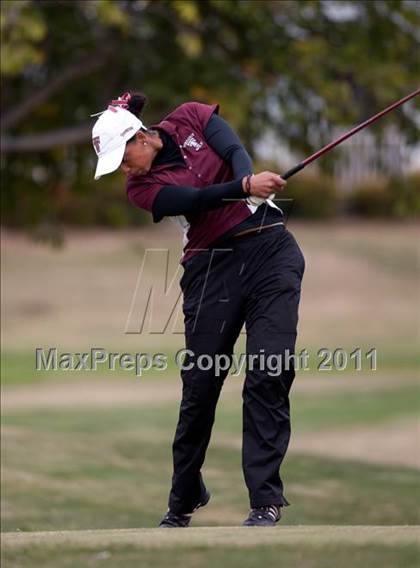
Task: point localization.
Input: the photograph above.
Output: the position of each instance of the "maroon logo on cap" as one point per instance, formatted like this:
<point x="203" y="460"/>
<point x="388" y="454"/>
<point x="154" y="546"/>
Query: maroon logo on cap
<point x="126" y="130"/>
<point x="97" y="144"/>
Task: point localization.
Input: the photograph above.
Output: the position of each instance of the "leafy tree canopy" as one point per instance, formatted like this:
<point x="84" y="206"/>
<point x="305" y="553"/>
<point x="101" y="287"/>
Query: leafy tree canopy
<point x="299" y="67"/>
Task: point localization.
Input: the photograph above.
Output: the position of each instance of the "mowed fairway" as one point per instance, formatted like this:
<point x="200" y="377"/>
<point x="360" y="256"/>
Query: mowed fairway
<point x="87" y="456"/>
<point x="328" y="546"/>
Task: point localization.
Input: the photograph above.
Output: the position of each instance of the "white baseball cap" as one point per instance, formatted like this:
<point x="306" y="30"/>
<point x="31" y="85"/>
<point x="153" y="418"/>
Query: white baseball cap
<point x="110" y="134"/>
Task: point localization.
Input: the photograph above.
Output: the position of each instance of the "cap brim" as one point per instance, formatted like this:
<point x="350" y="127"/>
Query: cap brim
<point x="109" y="162"/>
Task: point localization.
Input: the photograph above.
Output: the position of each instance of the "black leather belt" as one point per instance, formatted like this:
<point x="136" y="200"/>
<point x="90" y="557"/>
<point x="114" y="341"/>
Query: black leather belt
<point x="255" y="229"/>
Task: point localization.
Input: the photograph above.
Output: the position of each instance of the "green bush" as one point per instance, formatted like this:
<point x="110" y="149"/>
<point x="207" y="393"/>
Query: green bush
<point x="59" y="200"/>
<point x="371" y="199"/>
<point x="309" y="195"/>
<point x="100" y="203"/>
<point x="405" y="196"/>
<point x="313" y="196"/>
<point x="387" y="198"/>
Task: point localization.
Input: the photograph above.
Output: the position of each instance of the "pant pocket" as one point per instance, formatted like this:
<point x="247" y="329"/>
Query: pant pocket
<point x="302" y="261"/>
<point x="298" y="254"/>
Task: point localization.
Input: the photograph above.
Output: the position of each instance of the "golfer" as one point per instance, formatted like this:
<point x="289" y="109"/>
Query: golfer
<point x="241" y="266"/>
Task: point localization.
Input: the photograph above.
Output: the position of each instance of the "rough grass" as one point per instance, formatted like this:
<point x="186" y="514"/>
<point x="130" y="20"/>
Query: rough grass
<point x="111" y="467"/>
<point x="97" y="457"/>
<point x="359" y="286"/>
<point x="306" y="547"/>
<point x="328" y="410"/>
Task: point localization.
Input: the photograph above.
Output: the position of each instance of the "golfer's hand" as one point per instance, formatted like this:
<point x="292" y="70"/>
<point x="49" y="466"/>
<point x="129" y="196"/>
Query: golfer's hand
<point x="265" y="184"/>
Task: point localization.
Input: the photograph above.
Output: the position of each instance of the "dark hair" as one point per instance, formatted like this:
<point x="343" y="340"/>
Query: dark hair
<point x="136" y="103"/>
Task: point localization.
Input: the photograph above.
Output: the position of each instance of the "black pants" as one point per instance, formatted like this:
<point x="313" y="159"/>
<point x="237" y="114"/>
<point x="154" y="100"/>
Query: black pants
<point x="253" y="279"/>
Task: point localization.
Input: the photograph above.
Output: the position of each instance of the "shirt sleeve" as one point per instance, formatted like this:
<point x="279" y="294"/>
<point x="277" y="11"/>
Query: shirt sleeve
<point x="186" y="200"/>
<point x="196" y="115"/>
<point x="143" y="195"/>
<point x="225" y="142"/>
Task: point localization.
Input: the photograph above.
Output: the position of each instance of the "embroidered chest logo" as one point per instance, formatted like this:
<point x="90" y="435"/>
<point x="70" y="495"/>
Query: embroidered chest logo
<point x="192" y="142"/>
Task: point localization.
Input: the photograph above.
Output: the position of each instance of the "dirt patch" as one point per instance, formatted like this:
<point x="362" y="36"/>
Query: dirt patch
<point x="362" y="382"/>
<point x="106" y="392"/>
<point x="391" y="443"/>
<point x="80" y="296"/>
<point x="100" y="393"/>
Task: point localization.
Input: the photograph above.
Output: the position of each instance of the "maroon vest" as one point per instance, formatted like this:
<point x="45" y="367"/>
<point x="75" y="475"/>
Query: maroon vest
<point x="202" y="167"/>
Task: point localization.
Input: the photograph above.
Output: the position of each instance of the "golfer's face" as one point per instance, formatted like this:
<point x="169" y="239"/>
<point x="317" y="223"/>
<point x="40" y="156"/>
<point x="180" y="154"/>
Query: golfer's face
<point x="137" y="158"/>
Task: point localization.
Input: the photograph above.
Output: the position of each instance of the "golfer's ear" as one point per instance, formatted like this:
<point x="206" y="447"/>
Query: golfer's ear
<point x="140" y="136"/>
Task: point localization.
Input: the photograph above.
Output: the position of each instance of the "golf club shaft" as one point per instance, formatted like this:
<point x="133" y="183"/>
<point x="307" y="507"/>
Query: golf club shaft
<point x="348" y="134"/>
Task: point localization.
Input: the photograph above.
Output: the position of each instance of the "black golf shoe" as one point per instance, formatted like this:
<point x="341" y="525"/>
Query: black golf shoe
<point x="173" y="521"/>
<point x="263" y="516"/>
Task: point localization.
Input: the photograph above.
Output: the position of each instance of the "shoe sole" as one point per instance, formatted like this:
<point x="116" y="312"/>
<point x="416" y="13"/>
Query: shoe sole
<point x="168" y="526"/>
<point x="260" y="524"/>
<point x="204" y="502"/>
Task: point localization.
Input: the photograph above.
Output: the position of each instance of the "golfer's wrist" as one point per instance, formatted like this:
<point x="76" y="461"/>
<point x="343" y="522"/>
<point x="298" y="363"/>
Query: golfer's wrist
<point x="246" y="184"/>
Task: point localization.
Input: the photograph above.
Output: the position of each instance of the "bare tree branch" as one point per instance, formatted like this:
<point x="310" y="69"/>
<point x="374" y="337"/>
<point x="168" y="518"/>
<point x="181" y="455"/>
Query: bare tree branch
<point x="76" y="70"/>
<point x="47" y="140"/>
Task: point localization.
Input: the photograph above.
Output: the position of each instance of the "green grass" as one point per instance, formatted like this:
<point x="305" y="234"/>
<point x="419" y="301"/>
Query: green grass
<point x="19" y="368"/>
<point x="390" y="247"/>
<point x="404" y="261"/>
<point x="334" y="409"/>
<point x="309" y="412"/>
<point x="109" y="468"/>
<point x="354" y="408"/>
<point x="335" y="555"/>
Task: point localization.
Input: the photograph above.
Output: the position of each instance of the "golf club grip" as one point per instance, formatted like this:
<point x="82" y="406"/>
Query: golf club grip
<point x="293" y="171"/>
<point x="289" y="173"/>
